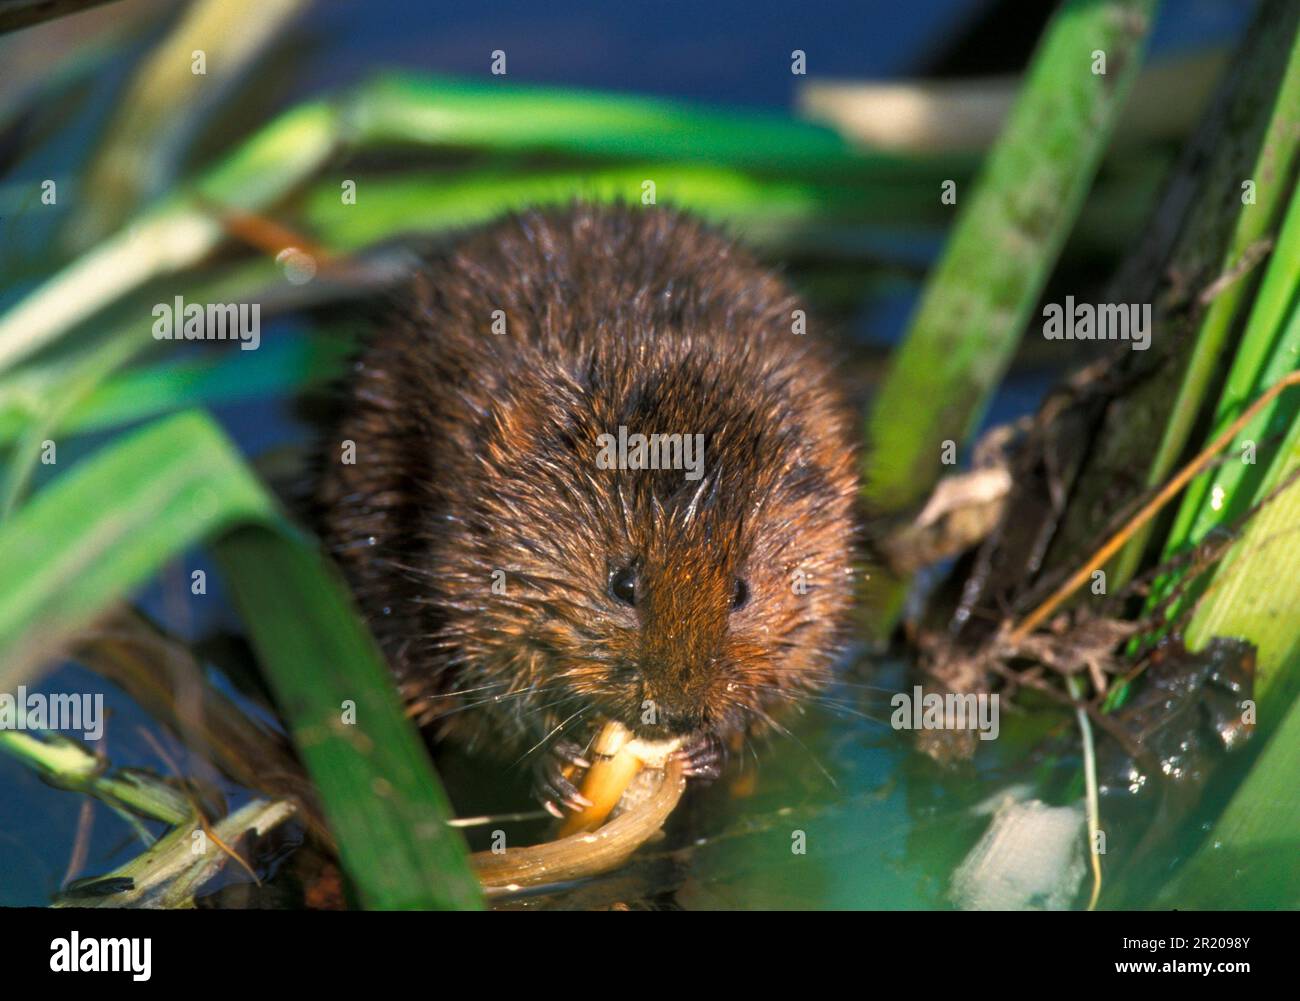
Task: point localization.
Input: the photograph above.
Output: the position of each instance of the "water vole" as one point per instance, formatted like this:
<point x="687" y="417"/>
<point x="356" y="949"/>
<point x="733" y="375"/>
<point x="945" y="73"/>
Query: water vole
<point x="522" y="589"/>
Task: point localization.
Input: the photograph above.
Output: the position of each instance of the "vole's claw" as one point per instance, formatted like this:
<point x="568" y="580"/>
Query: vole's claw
<point x="570" y="752"/>
<point x="552" y="786"/>
<point x="702" y="757"/>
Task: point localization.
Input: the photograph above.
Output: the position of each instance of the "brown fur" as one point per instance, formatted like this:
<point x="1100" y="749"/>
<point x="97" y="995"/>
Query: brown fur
<point x="477" y="452"/>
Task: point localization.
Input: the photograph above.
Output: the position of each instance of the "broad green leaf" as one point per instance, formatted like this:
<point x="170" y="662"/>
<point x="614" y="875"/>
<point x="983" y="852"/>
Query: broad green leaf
<point x="102" y="529"/>
<point x="1004" y="245"/>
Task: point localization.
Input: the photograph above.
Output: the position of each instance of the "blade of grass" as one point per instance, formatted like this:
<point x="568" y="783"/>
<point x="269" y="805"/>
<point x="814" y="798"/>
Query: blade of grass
<point x="515" y="118"/>
<point x="176" y="233"/>
<point x="1269" y="349"/>
<point x="1254" y="592"/>
<point x="285" y="365"/>
<point x="759" y="208"/>
<point x="170" y="683"/>
<point x="1186" y="246"/>
<point x="1248" y="857"/>
<point x="1273" y="175"/>
<point x="100" y="530"/>
<point x="166" y="103"/>
<point x="1003" y="247"/>
<point x="173" y="235"/>
<point x="67" y="764"/>
<point x="83" y="389"/>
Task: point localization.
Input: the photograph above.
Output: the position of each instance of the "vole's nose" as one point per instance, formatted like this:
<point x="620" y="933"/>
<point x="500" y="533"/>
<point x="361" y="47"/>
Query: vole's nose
<point x="680" y="725"/>
<point x="677" y="717"/>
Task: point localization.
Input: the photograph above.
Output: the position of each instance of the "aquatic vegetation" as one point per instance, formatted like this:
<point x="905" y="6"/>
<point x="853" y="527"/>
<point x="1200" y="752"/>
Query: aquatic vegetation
<point x="323" y="205"/>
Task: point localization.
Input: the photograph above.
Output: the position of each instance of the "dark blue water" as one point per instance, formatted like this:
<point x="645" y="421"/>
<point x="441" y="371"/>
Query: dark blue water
<point x="728" y="51"/>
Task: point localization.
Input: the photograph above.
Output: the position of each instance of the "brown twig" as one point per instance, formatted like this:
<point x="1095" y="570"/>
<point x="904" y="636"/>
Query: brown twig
<point x="1148" y="511"/>
<point x="263" y="233"/>
<point x="200" y="815"/>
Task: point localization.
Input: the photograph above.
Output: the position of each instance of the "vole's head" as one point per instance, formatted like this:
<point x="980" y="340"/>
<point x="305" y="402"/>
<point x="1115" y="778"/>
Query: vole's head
<point x="678" y="601"/>
<point x="528" y="565"/>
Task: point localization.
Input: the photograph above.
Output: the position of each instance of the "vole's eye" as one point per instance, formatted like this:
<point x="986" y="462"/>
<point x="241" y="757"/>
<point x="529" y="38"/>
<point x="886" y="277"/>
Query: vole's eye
<point x="740" y="596"/>
<point x="622" y="585"/>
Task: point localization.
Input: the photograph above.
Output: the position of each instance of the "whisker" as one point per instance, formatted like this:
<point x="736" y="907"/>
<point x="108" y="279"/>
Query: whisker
<point x="797" y="697"/>
<point x="464" y="691"/>
<point x="553" y="732"/>
<point x="493" y="700"/>
<point x="787" y="732"/>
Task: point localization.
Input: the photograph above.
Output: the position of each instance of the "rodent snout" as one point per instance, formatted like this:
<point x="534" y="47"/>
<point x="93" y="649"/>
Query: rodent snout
<point x="679" y="722"/>
<point x="677" y="714"/>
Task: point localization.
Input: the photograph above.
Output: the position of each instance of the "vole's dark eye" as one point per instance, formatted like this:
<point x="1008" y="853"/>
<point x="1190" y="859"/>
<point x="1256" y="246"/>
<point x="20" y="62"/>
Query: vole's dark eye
<point x="740" y="596"/>
<point x="622" y="585"/>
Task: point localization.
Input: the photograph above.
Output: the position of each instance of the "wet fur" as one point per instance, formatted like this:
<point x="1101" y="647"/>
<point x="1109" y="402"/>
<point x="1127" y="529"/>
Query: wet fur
<point x="476" y="452"/>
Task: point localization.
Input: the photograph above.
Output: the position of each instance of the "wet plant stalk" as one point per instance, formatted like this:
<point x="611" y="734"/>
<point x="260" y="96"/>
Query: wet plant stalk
<point x="1090" y="784"/>
<point x="1004" y="245"/>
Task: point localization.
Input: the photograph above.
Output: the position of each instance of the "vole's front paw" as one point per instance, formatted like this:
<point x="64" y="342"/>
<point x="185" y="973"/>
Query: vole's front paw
<point x="552" y="787"/>
<point x="702" y="757"/>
